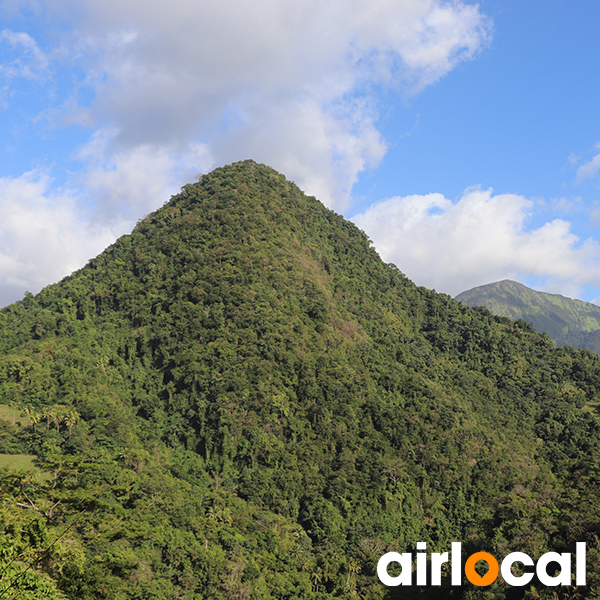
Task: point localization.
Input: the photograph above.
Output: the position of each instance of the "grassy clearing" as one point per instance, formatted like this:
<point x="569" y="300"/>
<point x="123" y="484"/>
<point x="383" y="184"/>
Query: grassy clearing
<point x="8" y="412"/>
<point x="22" y="462"/>
<point x="18" y="462"/>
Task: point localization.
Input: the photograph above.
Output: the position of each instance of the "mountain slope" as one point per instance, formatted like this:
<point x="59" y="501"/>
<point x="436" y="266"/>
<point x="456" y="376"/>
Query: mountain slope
<point x="240" y="399"/>
<point x="568" y="322"/>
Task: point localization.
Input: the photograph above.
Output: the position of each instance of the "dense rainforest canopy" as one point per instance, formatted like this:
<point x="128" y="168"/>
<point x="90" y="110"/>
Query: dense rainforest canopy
<point x="241" y="400"/>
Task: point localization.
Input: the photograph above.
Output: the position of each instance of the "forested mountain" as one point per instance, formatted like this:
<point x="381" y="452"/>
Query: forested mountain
<point x="241" y="400"/>
<point x="568" y="322"/>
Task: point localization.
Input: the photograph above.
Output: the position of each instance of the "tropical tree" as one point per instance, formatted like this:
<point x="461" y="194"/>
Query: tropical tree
<point x="70" y="419"/>
<point x="32" y="415"/>
<point x="58" y="416"/>
<point x="48" y="414"/>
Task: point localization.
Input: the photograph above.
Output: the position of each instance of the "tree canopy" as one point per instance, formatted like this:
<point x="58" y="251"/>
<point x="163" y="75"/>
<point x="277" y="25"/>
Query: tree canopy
<point x="241" y="400"/>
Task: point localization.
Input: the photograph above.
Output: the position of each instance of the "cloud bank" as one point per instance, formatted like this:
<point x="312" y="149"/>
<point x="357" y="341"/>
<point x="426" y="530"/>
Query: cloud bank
<point x="481" y="238"/>
<point x="284" y="83"/>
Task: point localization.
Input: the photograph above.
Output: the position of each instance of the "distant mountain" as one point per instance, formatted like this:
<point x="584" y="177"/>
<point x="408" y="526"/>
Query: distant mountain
<point x="568" y="322"/>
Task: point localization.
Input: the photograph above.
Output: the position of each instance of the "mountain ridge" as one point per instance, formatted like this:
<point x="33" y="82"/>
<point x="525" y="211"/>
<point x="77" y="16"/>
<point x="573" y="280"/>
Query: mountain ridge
<point x="567" y="321"/>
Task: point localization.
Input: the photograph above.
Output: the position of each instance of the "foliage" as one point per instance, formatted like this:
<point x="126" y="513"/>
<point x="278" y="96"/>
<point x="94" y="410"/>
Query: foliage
<point x="241" y="400"/>
<point x="567" y="322"/>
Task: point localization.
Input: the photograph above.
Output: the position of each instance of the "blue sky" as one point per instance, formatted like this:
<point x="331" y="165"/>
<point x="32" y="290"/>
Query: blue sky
<point x="463" y="138"/>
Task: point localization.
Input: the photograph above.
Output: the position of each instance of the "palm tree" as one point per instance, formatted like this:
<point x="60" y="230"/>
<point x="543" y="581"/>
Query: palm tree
<point x="316" y="579"/>
<point x="48" y="414"/>
<point x="58" y="416"/>
<point x="353" y="568"/>
<point x="71" y="417"/>
<point x="31" y="415"/>
<point x="35" y="417"/>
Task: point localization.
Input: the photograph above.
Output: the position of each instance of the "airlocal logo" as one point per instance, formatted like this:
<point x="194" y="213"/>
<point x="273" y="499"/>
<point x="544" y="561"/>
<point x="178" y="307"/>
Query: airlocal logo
<point x="455" y="559"/>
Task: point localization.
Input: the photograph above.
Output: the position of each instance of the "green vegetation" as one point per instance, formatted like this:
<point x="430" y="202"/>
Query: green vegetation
<point x="18" y="462"/>
<point x="241" y="400"/>
<point x="568" y="322"/>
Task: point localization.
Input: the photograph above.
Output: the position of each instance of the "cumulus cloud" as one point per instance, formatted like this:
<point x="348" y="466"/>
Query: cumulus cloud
<point x="454" y="246"/>
<point x="286" y="83"/>
<point x="124" y="185"/>
<point x="42" y="235"/>
<point x="47" y="233"/>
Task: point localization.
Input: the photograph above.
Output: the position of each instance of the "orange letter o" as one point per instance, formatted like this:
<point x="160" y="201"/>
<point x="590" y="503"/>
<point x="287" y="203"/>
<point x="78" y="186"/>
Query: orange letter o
<point x="473" y="576"/>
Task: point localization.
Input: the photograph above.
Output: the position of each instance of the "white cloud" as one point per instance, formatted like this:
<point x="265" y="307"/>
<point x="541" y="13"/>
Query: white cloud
<point x="124" y="185"/>
<point x="46" y="234"/>
<point x="590" y="169"/>
<point x="42" y="237"/>
<point x="322" y="151"/>
<point x="481" y="238"/>
<point x="277" y="80"/>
